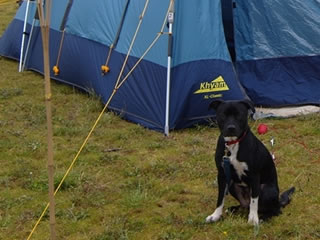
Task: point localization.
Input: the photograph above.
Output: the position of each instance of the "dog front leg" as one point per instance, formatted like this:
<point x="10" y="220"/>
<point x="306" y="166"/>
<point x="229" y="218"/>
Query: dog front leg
<point x="255" y="190"/>
<point x="222" y="188"/>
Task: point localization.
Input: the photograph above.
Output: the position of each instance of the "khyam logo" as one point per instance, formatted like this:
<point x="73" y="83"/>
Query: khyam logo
<point x="216" y="85"/>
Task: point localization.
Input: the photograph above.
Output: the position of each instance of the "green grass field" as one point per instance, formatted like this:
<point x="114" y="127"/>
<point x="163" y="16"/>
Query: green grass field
<point x="130" y="182"/>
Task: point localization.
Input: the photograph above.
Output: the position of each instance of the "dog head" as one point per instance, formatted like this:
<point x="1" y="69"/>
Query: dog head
<point x="232" y="116"/>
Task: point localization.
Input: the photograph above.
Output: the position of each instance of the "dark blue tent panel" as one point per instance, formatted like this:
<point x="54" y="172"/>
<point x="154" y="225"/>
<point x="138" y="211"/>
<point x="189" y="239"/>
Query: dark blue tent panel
<point x="274" y="43"/>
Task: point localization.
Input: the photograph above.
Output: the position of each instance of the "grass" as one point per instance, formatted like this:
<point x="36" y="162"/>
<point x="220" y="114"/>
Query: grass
<point x="130" y="182"/>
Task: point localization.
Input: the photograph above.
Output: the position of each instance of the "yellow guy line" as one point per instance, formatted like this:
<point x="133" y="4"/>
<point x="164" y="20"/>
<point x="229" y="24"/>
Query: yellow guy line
<point x="132" y="42"/>
<point x="98" y="119"/>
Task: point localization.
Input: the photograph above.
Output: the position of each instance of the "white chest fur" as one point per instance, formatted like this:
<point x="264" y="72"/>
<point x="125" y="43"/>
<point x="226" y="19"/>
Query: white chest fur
<point x="240" y="167"/>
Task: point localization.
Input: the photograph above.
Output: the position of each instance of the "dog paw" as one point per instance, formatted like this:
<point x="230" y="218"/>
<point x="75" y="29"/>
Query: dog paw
<point x="253" y="219"/>
<point x="213" y="218"/>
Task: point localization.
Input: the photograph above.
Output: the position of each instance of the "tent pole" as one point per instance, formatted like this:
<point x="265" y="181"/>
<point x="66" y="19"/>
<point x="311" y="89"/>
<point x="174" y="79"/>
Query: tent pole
<point x="63" y="30"/>
<point x="170" y="21"/>
<point x="45" y="16"/>
<point x="105" y="68"/>
<point x="24" y="35"/>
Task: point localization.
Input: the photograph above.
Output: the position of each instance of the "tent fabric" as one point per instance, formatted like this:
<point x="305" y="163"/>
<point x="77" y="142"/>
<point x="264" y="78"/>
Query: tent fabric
<point x="277" y="52"/>
<point x="276" y="28"/>
<point x="277" y="55"/>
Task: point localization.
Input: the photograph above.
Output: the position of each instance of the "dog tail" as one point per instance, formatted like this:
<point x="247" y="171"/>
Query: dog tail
<point x="285" y="197"/>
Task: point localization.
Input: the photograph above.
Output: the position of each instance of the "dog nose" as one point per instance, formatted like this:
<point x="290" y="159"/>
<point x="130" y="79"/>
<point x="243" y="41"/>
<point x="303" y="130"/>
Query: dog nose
<point x="231" y="128"/>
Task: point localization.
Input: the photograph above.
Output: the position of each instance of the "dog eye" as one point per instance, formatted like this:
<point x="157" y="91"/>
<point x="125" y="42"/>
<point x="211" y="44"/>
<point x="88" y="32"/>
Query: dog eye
<point x="223" y="116"/>
<point x="237" y="115"/>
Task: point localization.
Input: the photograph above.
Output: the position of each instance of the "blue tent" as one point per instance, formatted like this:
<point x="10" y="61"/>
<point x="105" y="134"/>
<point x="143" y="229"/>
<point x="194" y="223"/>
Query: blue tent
<point x="273" y="45"/>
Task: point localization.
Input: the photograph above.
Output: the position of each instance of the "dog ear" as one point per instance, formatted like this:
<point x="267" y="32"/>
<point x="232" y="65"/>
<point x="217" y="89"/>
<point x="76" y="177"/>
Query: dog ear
<point x="249" y="105"/>
<point x="215" y="104"/>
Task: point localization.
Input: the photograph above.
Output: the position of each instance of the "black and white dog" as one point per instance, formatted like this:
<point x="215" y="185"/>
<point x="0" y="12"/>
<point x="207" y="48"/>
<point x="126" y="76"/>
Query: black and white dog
<point x="245" y="167"/>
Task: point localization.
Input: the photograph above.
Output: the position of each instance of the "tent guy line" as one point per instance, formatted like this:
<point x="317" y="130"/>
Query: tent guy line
<point x="119" y="84"/>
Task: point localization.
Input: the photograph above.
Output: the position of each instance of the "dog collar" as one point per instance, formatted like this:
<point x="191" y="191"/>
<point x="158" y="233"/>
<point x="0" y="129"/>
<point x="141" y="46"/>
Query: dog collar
<point x="237" y="140"/>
